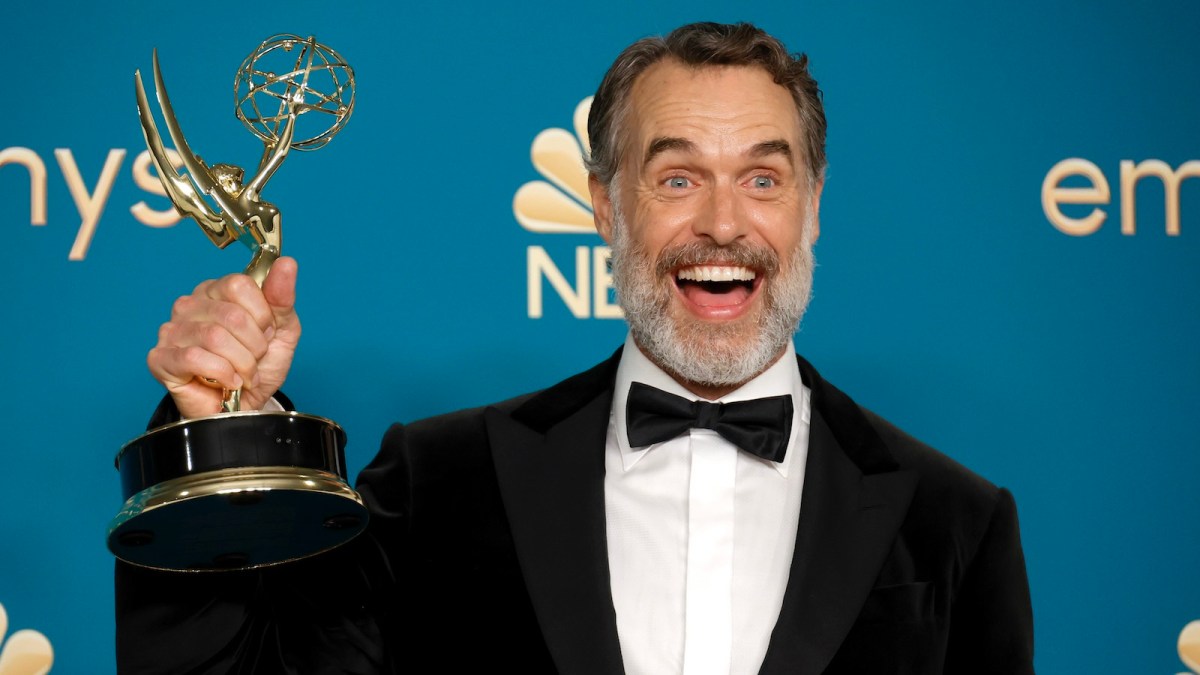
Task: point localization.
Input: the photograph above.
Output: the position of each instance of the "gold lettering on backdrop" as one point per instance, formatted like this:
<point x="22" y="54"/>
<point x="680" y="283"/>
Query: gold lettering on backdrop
<point x="90" y="205"/>
<point x="601" y="283"/>
<point x="1053" y="195"/>
<point x="145" y="178"/>
<point x="1130" y="175"/>
<point x="37" y="180"/>
<point x="593" y="281"/>
<point x="540" y="265"/>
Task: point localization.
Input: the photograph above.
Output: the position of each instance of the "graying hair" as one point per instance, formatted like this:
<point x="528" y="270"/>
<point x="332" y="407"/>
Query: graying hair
<point x="699" y="45"/>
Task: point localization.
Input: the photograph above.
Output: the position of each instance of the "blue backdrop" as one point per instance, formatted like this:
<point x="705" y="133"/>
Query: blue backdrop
<point x="1056" y="362"/>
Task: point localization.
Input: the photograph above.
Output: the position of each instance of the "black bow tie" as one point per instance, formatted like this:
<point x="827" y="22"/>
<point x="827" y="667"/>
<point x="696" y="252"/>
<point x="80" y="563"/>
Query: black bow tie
<point x="760" y="427"/>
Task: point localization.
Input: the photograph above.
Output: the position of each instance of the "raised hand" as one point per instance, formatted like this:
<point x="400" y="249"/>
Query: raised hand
<point x="232" y="333"/>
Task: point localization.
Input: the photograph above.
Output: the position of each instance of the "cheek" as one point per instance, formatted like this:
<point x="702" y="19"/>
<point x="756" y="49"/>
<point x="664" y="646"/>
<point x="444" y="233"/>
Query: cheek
<point x="658" y="225"/>
<point x="782" y="228"/>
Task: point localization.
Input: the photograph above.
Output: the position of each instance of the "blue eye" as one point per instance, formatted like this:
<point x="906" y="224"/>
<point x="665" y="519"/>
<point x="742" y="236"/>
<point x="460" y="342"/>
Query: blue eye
<point x="763" y="182"/>
<point x="678" y="182"/>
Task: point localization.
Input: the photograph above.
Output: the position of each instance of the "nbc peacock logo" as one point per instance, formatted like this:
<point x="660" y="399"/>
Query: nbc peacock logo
<point x="26" y="652"/>
<point x="560" y="204"/>
<point x="1189" y="647"/>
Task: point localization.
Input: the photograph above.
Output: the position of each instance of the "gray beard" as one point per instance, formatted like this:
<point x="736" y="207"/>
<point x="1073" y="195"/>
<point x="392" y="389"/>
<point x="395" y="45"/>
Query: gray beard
<point x="710" y="354"/>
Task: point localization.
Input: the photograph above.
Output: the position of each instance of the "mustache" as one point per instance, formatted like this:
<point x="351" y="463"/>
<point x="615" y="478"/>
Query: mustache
<point x="759" y="258"/>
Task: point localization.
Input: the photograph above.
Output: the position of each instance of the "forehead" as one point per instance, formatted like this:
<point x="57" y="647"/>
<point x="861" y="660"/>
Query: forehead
<point x="715" y="107"/>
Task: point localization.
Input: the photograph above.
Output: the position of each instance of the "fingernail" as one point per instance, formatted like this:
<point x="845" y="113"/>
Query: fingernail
<point x="255" y="381"/>
<point x="269" y="333"/>
<point x="237" y="381"/>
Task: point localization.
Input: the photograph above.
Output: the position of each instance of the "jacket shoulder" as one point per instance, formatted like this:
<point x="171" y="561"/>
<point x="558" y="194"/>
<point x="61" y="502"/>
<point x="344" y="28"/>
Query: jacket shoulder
<point x="953" y="509"/>
<point x="876" y="445"/>
<point x="940" y="471"/>
<point x="950" y="498"/>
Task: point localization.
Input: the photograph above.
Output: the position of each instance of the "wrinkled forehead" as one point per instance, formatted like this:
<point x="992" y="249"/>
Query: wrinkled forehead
<point x="728" y="106"/>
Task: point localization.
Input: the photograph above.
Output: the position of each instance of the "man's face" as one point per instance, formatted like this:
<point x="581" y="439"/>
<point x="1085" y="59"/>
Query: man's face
<point x="711" y="219"/>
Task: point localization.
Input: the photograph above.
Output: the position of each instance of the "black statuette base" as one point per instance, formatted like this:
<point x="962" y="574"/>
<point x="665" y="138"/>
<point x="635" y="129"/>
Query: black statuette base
<point x="234" y="491"/>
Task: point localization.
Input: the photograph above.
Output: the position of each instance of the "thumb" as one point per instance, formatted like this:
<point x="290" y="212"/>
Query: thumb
<point x="280" y="292"/>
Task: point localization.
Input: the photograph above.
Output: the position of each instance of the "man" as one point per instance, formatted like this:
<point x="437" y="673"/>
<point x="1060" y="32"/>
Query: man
<point x="586" y="528"/>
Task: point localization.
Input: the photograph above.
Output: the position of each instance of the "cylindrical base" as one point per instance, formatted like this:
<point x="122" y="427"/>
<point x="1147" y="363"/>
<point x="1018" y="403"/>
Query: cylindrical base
<point x="234" y="491"/>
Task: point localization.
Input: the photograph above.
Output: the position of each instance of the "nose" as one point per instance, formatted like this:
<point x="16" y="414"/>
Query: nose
<point x="721" y="218"/>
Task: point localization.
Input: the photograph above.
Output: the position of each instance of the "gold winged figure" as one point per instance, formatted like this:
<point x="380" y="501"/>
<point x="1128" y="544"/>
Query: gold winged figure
<point x="241" y="214"/>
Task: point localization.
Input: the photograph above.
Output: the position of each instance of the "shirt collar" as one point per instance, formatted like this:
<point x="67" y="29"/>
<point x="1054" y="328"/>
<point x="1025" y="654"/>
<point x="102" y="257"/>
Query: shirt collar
<point x="783" y="377"/>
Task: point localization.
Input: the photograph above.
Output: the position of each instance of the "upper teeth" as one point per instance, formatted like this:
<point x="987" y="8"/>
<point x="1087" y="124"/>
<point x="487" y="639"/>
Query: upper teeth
<point x="716" y="273"/>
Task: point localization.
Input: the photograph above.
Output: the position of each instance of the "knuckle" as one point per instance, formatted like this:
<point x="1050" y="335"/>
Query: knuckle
<point x="245" y="363"/>
<point x="259" y="350"/>
<point x="212" y="335"/>
<point x="240" y="284"/>
<point x="233" y="316"/>
<point x="193" y="357"/>
<point x="183" y="305"/>
<point x="264" y="318"/>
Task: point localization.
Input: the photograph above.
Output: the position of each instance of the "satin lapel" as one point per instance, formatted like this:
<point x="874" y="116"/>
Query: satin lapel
<point x="848" y="521"/>
<point x="552" y="483"/>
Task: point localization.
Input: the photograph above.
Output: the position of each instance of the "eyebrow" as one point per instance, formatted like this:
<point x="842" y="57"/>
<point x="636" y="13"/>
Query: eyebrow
<point x="775" y="147"/>
<point x="671" y="143"/>
<point x="667" y="143"/>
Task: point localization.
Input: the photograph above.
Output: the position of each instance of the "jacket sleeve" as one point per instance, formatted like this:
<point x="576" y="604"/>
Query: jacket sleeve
<point x="323" y="614"/>
<point x="991" y="620"/>
<point x="309" y="616"/>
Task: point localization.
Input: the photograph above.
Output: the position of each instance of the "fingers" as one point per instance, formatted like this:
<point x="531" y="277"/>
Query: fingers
<point x="222" y="299"/>
<point x="227" y="317"/>
<point x="229" y="331"/>
<point x="209" y="349"/>
<point x="177" y="367"/>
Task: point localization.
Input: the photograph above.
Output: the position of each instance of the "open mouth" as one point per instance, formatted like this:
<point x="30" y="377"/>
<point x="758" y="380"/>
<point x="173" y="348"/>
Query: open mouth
<point x="716" y="286"/>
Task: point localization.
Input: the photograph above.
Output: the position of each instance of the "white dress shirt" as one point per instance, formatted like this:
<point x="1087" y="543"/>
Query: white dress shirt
<point x="700" y="535"/>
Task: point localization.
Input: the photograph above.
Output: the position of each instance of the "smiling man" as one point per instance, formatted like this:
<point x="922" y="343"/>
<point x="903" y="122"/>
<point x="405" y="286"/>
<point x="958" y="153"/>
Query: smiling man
<point x="713" y="264"/>
<point x="701" y="502"/>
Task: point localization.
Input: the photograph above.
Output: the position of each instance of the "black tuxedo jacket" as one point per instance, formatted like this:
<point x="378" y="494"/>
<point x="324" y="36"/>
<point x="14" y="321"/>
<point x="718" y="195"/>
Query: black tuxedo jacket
<point x="487" y="548"/>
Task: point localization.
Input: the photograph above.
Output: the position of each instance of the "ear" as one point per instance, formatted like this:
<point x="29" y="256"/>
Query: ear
<point x="602" y="208"/>
<point x="814" y="204"/>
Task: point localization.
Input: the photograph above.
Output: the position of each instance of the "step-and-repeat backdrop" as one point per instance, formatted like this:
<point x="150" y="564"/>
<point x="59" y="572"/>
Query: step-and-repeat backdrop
<point x="1008" y="261"/>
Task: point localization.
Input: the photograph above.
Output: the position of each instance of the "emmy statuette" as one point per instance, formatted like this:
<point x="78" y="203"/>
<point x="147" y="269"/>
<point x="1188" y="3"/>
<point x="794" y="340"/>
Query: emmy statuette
<point x="242" y="489"/>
